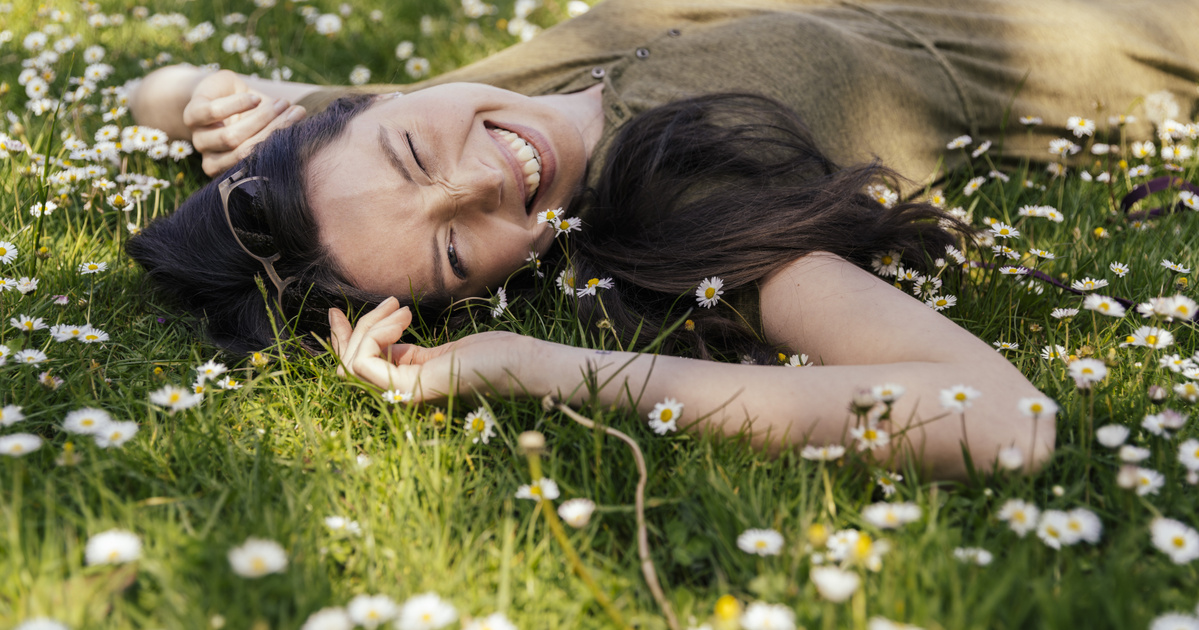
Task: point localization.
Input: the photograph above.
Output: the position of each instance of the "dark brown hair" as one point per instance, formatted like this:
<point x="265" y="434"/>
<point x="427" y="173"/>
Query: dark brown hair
<point x="727" y="185"/>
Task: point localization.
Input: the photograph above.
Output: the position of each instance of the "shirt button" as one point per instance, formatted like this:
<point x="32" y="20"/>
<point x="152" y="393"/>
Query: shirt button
<point x="598" y="72"/>
<point x="642" y="53"/>
<point x="674" y="32"/>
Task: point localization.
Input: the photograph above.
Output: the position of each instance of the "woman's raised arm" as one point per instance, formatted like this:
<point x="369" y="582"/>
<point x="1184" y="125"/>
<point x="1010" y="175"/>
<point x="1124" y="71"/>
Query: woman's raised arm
<point x="864" y="331"/>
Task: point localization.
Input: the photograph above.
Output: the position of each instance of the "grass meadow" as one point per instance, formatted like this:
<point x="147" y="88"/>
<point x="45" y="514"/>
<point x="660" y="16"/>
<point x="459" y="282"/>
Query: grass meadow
<point x="358" y="496"/>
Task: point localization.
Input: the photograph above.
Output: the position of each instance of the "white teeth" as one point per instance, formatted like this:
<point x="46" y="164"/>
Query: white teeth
<point x="527" y="155"/>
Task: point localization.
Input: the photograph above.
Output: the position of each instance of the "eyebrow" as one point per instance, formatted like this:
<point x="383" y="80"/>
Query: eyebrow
<point x="392" y="156"/>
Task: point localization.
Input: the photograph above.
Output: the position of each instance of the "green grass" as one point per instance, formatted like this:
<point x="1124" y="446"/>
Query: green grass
<point x="437" y="512"/>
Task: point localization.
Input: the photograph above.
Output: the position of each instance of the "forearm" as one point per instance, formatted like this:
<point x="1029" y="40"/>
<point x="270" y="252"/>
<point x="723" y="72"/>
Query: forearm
<point x="783" y="406"/>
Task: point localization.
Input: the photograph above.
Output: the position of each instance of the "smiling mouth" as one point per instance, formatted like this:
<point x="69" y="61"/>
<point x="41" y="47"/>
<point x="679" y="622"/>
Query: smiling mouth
<point x="528" y="160"/>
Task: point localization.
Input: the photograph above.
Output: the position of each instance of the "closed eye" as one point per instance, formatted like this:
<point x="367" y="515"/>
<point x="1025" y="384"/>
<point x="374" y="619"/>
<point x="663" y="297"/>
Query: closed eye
<point x="415" y="157"/>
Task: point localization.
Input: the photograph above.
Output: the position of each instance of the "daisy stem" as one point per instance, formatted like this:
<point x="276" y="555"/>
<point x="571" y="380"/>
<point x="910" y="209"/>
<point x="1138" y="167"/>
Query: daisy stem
<point x="604" y="310"/>
<point x="647" y="563"/>
<point x="743" y="320"/>
<point x="830" y="504"/>
<point x="859" y="608"/>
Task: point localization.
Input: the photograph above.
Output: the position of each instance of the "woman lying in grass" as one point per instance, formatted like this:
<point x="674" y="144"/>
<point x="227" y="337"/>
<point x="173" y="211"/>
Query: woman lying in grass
<point x="652" y="157"/>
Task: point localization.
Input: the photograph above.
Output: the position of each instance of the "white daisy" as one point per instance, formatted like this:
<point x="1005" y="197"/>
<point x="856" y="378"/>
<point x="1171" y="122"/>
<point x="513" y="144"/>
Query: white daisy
<point x="959" y="397"/>
<point x="115" y="546"/>
<point x="576" y="512"/>
<point x="973" y="555"/>
<point x="1020" y="516"/>
<point x="592" y="286"/>
<point x="762" y="542"/>
<point x="959" y="142"/>
<point x="29" y="356"/>
<point x="1113" y="435"/>
<point x="1037" y="406"/>
<point x="665" y="415"/>
<point x="1149" y="481"/>
<point x="426" y="612"/>
<point x="1087" y="372"/>
<point x="834" y="584"/>
<point x="891" y="515"/>
<point x="1173" y="266"/>
<point x="1080" y="126"/>
<point x="544" y="488"/>
<point x="19" y="444"/>
<point x="567" y="225"/>
<point x="1151" y="337"/>
<point x="116" y="434"/>
<point x="1175" y="539"/>
<point x="1103" y="305"/>
<point x="395" y="396"/>
<point x="88" y="268"/>
<point x="501" y="301"/>
<point x="566" y="281"/>
<point x="10" y="415"/>
<point x="331" y="618"/>
<point x="8" y="252"/>
<point x="257" y="557"/>
<point x="369" y="611"/>
<point x="175" y="397"/>
<point x="763" y="616"/>
<point x="825" y="453"/>
<point x="87" y="421"/>
<point x="1088" y="284"/>
<point x="1054" y="529"/>
<point x="941" y="302"/>
<point x="870" y="437"/>
<point x="709" y="291"/>
<point x="480" y="425"/>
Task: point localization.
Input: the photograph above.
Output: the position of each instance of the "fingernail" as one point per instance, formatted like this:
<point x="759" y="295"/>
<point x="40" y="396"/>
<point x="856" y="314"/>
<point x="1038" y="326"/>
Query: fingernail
<point x="255" y="99"/>
<point x="295" y="114"/>
<point x="281" y="105"/>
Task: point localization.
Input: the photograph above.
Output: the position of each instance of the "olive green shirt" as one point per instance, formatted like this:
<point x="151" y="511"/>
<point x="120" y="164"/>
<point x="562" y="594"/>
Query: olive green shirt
<point x="896" y="80"/>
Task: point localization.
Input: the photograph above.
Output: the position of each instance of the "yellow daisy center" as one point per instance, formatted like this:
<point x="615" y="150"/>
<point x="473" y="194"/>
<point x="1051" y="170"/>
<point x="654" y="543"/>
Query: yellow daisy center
<point x="17" y="448"/>
<point x="1178" y="541"/>
<point x="1019" y="517"/>
<point x="593" y="282"/>
<point x="173" y="398"/>
<point x="870" y="434"/>
<point x="761" y="544"/>
<point x="258" y="565"/>
<point x="1151" y="339"/>
<point x="1052" y="531"/>
<point x="113" y="555"/>
<point x="535" y="491"/>
<point x="478" y="425"/>
<point x="666" y="415"/>
<point x="960" y="397"/>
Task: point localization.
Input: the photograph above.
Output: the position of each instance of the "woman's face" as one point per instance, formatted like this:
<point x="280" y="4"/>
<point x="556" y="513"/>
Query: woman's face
<point x="432" y="191"/>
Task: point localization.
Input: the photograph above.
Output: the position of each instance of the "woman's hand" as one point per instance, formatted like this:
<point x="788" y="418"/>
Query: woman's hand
<point x="490" y="361"/>
<point x="227" y="119"/>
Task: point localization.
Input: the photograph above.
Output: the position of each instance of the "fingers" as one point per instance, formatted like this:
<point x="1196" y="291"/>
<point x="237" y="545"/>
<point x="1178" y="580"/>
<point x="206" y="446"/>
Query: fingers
<point x="203" y="112"/>
<point x="225" y="135"/>
<point x="290" y="116"/>
<point x="215" y="144"/>
<point x="374" y="335"/>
